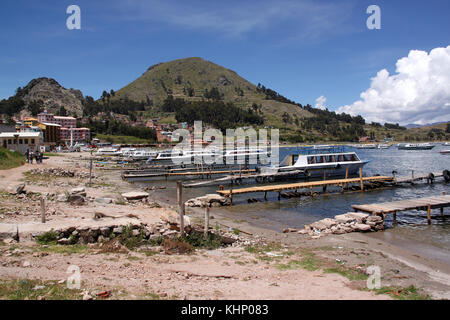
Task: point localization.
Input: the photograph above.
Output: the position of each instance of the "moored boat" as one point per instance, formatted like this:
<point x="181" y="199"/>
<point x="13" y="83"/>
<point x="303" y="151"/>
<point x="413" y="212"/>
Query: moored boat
<point x="415" y="146"/>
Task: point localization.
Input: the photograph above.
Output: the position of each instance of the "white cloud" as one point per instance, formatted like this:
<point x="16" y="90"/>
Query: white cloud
<point x="419" y="91"/>
<point x="320" y="103"/>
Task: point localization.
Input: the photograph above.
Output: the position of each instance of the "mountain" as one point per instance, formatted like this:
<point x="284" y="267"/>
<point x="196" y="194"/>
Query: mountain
<point x="190" y="78"/>
<point x="412" y="125"/>
<point x="53" y="96"/>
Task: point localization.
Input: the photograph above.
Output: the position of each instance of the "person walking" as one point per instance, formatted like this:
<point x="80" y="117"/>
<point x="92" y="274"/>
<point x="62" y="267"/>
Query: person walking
<point x="31" y="157"/>
<point x="27" y="155"/>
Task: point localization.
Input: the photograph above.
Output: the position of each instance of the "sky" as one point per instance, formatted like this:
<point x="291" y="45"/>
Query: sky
<point x="318" y="52"/>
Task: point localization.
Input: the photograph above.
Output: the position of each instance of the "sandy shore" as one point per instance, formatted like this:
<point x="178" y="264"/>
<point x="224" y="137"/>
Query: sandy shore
<point x="272" y="265"/>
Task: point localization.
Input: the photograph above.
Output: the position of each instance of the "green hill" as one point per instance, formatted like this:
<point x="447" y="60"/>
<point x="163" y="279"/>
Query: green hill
<point x="190" y="78"/>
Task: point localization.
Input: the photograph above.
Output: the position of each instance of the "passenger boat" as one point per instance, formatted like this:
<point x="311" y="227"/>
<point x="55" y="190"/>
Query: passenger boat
<point x="140" y="154"/>
<point x="366" y="146"/>
<point x="415" y="146"/>
<point x="445" y="151"/>
<point x="210" y="156"/>
<point x="318" y="165"/>
<point x="383" y="146"/>
<point x="109" y="151"/>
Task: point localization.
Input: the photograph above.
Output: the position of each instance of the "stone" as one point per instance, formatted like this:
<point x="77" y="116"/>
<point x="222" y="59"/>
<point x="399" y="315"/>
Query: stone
<point x="328" y="223"/>
<point x="358" y="216"/>
<point x="9" y="231"/>
<point x="208" y="199"/>
<point x="64" y="241"/>
<point x="20" y="188"/>
<point x="303" y="231"/>
<point x="76" y="199"/>
<point x="105" y="231"/>
<point x="136" y="232"/>
<point x="87" y="296"/>
<point x="318" y="226"/>
<point x="118" y="230"/>
<point x="78" y="191"/>
<point x="375" y="219"/>
<point x="62" y="197"/>
<point x="344" y="218"/>
<point x="361" y="227"/>
<point x="104" y="200"/>
<point x="173" y="217"/>
<point x="26" y="264"/>
<point x="135" y="195"/>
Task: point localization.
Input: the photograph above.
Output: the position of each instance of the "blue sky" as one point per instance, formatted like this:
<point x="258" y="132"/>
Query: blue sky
<point x="302" y="49"/>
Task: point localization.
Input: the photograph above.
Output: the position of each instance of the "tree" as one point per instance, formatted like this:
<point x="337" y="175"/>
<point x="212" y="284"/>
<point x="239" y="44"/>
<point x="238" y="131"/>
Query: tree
<point x="62" y="111"/>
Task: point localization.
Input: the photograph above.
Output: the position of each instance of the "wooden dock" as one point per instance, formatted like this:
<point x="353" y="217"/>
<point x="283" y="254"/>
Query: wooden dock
<point x="427" y="203"/>
<point x="304" y="185"/>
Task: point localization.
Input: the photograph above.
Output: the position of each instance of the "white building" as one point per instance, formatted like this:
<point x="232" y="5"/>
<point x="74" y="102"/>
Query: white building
<point x="21" y="141"/>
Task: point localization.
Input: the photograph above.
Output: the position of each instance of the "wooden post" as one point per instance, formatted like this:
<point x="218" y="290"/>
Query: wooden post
<point x="279" y="195"/>
<point x="346" y="177"/>
<point x="42" y="209"/>
<point x="361" y="179"/>
<point x="90" y="171"/>
<point x="231" y="193"/>
<point x="206" y="220"/>
<point x="429" y="214"/>
<point x="442" y="208"/>
<point x="180" y="206"/>
<point x="324" y="175"/>
<point x="394" y="214"/>
<point x="265" y="195"/>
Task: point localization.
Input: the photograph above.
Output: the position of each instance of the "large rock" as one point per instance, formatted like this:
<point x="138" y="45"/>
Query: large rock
<point x="328" y="222"/>
<point x="20" y="188"/>
<point x="359" y="217"/>
<point x="78" y="191"/>
<point x="135" y="195"/>
<point x="209" y="199"/>
<point x="173" y="218"/>
<point x="361" y="227"/>
<point x="63" y="197"/>
<point x="76" y="199"/>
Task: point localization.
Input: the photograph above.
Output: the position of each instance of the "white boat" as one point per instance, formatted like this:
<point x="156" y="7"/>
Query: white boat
<point x="210" y="156"/>
<point x="446" y="144"/>
<point x="366" y="146"/>
<point x="415" y="146"/>
<point x="140" y="154"/>
<point x="316" y="165"/>
<point x="109" y="151"/>
<point x="383" y="146"/>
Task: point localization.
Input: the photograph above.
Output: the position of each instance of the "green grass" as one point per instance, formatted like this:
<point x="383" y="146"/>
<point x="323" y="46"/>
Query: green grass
<point x="24" y="289"/>
<point x="347" y="273"/>
<point x="9" y="160"/>
<point x="49" y="237"/>
<point x="409" y="293"/>
<point x="52" y="154"/>
<point x="65" y="249"/>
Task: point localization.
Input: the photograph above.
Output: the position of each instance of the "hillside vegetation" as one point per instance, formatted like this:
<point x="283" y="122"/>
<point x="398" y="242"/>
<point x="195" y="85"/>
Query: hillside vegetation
<point x="10" y="159"/>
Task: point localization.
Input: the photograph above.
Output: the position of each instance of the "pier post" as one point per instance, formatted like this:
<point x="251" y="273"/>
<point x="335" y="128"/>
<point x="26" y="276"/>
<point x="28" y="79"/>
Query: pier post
<point x="265" y="195"/>
<point x="346" y="177"/>
<point x="43" y="209"/>
<point x="206" y="220"/>
<point x="394" y="215"/>
<point x="361" y="179"/>
<point x="279" y="195"/>
<point x="429" y="214"/>
<point x="231" y="193"/>
<point x="180" y="206"/>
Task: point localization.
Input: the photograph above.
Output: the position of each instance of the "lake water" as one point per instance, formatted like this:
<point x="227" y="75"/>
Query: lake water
<point x="296" y="212"/>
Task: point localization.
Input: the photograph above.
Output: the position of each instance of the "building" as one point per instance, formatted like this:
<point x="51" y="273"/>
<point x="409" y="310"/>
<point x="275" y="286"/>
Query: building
<point x="21" y="141"/>
<point x="7" y="128"/>
<point x="79" y="134"/>
<point x="28" y="121"/>
<point x="64" y="122"/>
<point x="51" y="133"/>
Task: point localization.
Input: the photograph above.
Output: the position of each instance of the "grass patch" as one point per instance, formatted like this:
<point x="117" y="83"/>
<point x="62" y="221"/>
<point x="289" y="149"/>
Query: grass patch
<point x="129" y="240"/>
<point x="409" y="293"/>
<point x="49" y="237"/>
<point x="65" y="249"/>
<point x="52" y="154"/>
<point x="9" y="160"/>
<point x="31" y="290"/>
<point x="350" y="274"/>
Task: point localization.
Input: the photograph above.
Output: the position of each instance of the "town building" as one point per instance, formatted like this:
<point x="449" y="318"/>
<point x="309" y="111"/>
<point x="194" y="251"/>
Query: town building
<point x="21" y="141"/>
<point x="51" y="133"/>
<point x="79" y="134"/>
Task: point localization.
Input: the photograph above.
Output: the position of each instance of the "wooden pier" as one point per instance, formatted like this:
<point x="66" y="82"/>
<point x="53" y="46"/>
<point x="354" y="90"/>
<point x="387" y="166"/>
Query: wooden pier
<point x="304" y="185"/>
<point x="427" y="203"/>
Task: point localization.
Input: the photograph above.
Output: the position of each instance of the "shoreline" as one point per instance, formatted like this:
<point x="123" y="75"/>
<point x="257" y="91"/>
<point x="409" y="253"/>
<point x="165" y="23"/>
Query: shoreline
<point x="400" y="267"/>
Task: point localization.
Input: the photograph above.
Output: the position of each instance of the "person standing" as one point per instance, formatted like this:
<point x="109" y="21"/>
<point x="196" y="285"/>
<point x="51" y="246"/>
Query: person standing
<point x="27" y="155"/>
<point x="31" y="157"/>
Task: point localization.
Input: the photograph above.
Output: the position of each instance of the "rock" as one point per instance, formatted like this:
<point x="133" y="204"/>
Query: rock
<point x="104" y="200"/>
<point x="87" y="296"/>
<point x="9" y="231"/>
<point x="78" y="191"/>
<point x="374" y="219"/>
<point x="63" y="197"/>
<point x="344" y="218"/>
<point x="135" y="195"/>
<point x="105" y="231"/>
<point x="64" y="241"/>
<point x="328" y="223"/>
<point x="303" y="231"/>
<point x="318" y="226"/>
<point x="358" y="216"/>
<point x="37" y="287"/>
<point x="20" y="188"/>
<point x="26" y="264"/>
<point x="173" y="218"/>
<point x="76" y="199"/>
<point x="118" y="230"/>
<point x="361" y="227"/>
<point x="290" y="230"/>
<point x="208" y="199"/>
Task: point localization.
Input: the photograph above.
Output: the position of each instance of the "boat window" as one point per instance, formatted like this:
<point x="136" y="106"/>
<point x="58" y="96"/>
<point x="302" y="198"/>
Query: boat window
<point x="340" y="158"/>
<point x="310" y="160"/>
